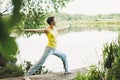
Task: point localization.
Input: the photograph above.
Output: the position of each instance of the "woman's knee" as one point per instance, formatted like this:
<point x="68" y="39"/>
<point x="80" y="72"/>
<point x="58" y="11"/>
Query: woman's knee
<point x="64" y="56"/>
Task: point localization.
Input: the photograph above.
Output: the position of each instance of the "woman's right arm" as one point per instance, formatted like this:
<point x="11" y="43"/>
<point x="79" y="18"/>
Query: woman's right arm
<point x="35" y="30"/>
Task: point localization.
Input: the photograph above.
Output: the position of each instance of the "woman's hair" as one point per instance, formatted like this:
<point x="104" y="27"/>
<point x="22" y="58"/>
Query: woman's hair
<point x="50" y="19"/>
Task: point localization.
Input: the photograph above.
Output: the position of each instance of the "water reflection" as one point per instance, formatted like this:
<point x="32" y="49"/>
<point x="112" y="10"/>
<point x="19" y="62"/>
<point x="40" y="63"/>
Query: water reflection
<point x="98" y="27"/>
<point x="82" y="48"/>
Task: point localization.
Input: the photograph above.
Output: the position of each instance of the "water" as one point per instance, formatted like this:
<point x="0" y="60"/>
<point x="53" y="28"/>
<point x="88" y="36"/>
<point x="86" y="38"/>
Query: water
<point x="82" y="48"/>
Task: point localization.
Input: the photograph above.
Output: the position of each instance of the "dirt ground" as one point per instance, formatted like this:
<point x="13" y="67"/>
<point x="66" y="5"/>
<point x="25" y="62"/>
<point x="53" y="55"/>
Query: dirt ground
<point x="53" y="76"/>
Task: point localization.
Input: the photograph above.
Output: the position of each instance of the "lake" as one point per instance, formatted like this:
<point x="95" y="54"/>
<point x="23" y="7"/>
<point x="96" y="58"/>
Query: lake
<point x="82" y="48"/>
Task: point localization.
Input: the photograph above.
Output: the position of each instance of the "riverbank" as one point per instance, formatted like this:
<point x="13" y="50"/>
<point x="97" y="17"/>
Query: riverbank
<point x="53" y="76"/>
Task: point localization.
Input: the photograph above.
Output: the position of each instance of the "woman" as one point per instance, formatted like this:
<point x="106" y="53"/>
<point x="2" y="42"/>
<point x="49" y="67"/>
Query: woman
<point x="50" y="49"/>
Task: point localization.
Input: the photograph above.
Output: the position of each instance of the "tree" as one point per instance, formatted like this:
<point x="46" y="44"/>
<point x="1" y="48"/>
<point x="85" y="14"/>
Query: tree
<point x="8" y="45"/>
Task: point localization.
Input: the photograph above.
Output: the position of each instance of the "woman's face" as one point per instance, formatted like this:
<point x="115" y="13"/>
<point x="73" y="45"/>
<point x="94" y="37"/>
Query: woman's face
<point x="53" y="23"/>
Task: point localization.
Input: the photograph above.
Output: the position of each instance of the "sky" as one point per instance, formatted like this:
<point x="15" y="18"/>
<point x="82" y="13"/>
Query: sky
<point x="92" y="7"/>
<point x="89" y="7"/>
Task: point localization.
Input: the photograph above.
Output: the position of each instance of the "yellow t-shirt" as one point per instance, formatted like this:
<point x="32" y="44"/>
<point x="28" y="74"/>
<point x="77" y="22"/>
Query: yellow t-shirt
<point x="52" y="38"/>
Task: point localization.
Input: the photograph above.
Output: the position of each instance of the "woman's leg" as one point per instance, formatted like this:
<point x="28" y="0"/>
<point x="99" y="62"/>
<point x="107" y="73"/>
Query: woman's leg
<point x="63" y="57"/>
<point x="35" y="67"/>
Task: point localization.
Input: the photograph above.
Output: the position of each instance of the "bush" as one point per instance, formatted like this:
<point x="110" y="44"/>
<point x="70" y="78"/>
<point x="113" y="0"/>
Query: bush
<point x="8" y="67"/>
<point x="11" y="71"/>
<point x="3" y="61"/>
<point x="111" y="56"/>
<point x="95" y="73"/>
<point x="41" y="70"/>
<point x="109" y="68"/>
<point x="80" y="77"/>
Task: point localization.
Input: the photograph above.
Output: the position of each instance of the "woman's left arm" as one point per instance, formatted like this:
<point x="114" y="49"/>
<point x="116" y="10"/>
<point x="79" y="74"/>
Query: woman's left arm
<point x="62" y="28"/>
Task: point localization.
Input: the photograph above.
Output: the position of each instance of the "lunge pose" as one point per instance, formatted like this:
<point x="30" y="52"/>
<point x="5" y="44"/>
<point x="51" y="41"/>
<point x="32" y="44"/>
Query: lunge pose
<point x="50" y="49"/>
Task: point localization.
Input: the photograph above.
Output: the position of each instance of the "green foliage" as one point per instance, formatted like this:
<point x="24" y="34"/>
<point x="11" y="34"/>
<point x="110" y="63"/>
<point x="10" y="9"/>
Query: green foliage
<point x="112" y="59"/>
<point x="81" y="17"/>
<point x="3" y="61"/>
<point x="80" y="77"/>
<point x="11" y="71"/>
<point x="8" y="45"/>
<point x="36" y="12"/>
<point x="116" y="70"/>
<point x="95" y="74"/>
<point x="41" y="69"/>
<point x="109" y="54"/>
<point x="110" y="67"/>
<point x="8" y="67"/>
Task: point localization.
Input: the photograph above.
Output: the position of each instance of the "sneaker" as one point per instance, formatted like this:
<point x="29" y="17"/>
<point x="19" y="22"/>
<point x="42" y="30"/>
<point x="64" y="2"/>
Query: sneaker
<point x="66" y="73"/>
<point x="27" y="78"/>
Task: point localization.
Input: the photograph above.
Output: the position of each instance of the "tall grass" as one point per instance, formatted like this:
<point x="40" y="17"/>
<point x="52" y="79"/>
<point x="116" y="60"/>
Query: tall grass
<point x="109" y="68"/>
